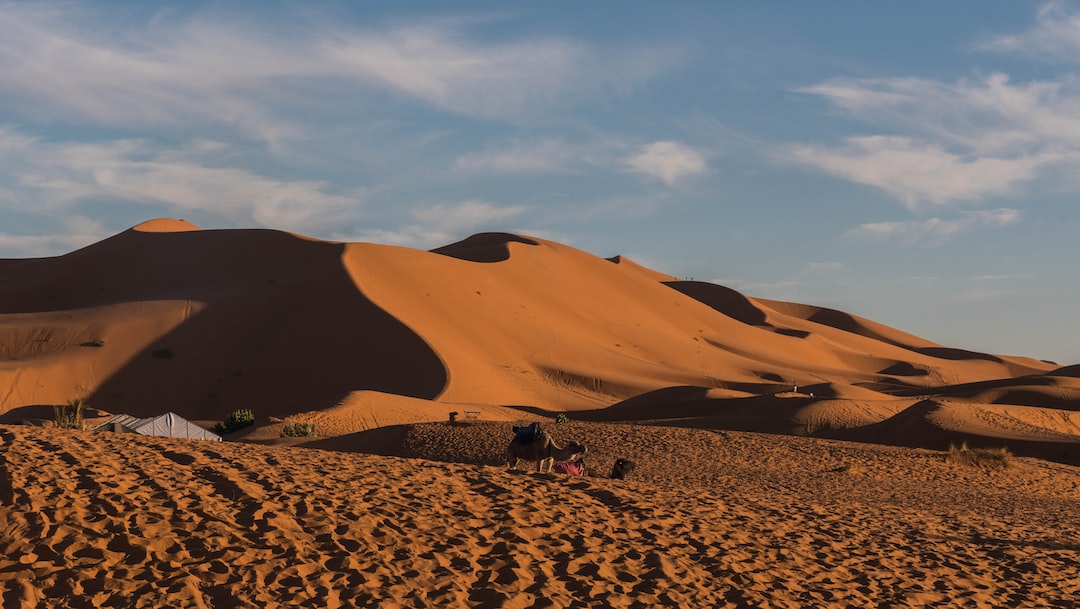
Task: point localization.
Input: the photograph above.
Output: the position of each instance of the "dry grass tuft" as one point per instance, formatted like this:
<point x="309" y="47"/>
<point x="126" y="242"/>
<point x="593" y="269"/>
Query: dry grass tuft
<point x="70" y="415"/>
<point x="979" y="457"/>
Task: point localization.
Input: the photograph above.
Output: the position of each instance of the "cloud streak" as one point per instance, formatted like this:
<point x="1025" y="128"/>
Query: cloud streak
<point x="75" y="232"/>
<point x="934" y="231"/>
<point x="56" y="176"/>
<point x="541" y="155"/>
<point x="55" y="65"/>
<point x="667" y="161"/>
<point x="1055" y="35"/>
<point x="959" y="142"/>
<point x="917" y="173"/>
<point x="443" y="223"/>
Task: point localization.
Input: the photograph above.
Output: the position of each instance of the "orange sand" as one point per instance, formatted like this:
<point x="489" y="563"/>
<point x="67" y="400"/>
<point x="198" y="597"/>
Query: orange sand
<point x="391" y="506"/>
<point x="723" y="520"/>
<point x="353" y="336"/>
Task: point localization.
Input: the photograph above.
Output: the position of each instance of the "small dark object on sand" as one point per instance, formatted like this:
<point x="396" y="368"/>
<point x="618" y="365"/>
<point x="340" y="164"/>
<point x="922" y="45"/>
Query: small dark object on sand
<point x="622" y="469"/>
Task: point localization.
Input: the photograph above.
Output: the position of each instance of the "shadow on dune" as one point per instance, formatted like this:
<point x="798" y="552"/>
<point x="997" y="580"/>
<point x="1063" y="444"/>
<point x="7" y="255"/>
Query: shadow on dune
<point x="970" y="389"/>
<point x="689" y="406"/>
<point x="39" y="413"/>
<point x="903" y="369"/>
<point x="956" y="354"/>
<point x="1073" y="371"/>
<point x="483" y="247"/>
<point x="274" y="323"/>
<point x="385" y="441"/>
<point x="722" y="299"/>
<point x="913" y="428"/>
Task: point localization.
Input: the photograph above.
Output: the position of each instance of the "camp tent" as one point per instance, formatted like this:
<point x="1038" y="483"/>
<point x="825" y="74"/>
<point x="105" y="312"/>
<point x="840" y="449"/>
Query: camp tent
<point x="169" y="425"/>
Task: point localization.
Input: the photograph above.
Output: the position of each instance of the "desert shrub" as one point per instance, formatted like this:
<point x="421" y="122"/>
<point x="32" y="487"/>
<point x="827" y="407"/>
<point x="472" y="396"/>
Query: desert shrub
<point x="562" y="418"/>
<point x="93" y="343"/>
<point x="70" y="415"/>
<point x="298" y="430"/>
<point x="979" y="457"/>
<point x="237" y="419"/>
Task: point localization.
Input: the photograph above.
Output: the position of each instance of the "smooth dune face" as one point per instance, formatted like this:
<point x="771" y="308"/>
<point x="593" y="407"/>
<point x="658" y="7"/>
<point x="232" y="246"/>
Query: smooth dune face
<point x="169" y="317"/>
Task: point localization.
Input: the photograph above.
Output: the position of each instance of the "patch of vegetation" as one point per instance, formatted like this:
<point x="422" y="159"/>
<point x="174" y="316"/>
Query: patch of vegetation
<point x="93" y="343"/>
<point x="70" y="415"/>
<point x="298" y="430"/>
<point x="237" y="419"/>
<point x="979" y="457"/>
<point x="562" y="418"/>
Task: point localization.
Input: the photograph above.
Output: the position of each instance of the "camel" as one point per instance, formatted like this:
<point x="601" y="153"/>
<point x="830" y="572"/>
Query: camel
<point x="543" y="449"/>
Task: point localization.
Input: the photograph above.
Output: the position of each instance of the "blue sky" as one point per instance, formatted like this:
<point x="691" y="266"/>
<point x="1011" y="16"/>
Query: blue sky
<point x="916" y="163"/>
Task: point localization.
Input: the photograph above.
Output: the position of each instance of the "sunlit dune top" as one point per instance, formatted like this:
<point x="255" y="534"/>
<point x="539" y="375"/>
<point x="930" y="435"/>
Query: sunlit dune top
<point x="165" y="225"/>
<point x="646" y="271"/>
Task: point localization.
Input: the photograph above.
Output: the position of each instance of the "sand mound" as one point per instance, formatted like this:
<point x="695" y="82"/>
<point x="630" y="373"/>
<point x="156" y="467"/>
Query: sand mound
<point x="110" y="520"/>
<point x="165" y="225"/>
<point x="356" y="336"/>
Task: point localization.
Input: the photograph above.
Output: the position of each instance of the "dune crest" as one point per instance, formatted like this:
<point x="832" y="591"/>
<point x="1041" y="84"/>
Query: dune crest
<point x="165" y="225"/>
<point x="167" y="316"/>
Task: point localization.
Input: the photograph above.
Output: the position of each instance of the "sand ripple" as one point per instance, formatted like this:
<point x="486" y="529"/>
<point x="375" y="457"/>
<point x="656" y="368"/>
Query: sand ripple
<point x="100" y="520"/>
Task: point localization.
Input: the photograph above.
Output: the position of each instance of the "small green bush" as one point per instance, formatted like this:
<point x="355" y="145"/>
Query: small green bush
<point x="298" y="430"/>
<point x="70" y="415"/>
<point x="237" y="419"/>
<point x="562" y="418"/>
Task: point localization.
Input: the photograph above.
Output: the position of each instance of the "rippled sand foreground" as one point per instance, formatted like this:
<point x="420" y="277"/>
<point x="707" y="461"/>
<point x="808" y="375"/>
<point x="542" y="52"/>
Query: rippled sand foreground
<point x="103" y="520"/>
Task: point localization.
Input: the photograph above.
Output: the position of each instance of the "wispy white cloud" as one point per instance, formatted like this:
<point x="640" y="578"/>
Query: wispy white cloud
<point x="438" y="65"/>
<point x="964" y="141"/>
<point x="466" y="215"/>
<point x="1055" y="35"/>
<point x="668" y="161"/>
<point x="72" y="232"/>
<point x="71" y="64"/>
<point x="918" y="172"/>
<point x="934" y="231"/>
<point x="441" y="224"/>
<point x="990" y="115"/>
<point x="542" y="155"/>
<point x="54" y="177"/>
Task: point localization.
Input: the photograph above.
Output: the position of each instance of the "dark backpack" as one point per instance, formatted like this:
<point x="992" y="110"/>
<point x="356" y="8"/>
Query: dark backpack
<point x="527" y="434"/>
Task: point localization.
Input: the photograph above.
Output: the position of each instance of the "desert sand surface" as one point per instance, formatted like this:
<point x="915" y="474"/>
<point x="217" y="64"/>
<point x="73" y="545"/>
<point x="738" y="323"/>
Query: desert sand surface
<point x="709" y="519"/>
<point x="357" y="336"/>
<point x="788" y="455"/>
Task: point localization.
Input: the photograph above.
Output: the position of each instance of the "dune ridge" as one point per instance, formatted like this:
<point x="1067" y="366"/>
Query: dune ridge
<point x="167" y="316"/>
<point x="786" y="455"/>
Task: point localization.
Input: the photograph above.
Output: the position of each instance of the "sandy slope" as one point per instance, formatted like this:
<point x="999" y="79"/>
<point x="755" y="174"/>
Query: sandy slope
<point x="724" y="520"/>
<point x="353" y="336"/>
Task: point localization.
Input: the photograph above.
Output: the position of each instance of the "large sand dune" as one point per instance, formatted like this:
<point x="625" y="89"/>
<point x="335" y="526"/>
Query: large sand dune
<point x="376" y="345"/>
<point x="169" y="317"/>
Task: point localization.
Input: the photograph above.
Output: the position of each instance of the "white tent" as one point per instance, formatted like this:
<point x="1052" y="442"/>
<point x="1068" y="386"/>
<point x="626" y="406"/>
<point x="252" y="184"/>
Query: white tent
<point x="169" y="425"/>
